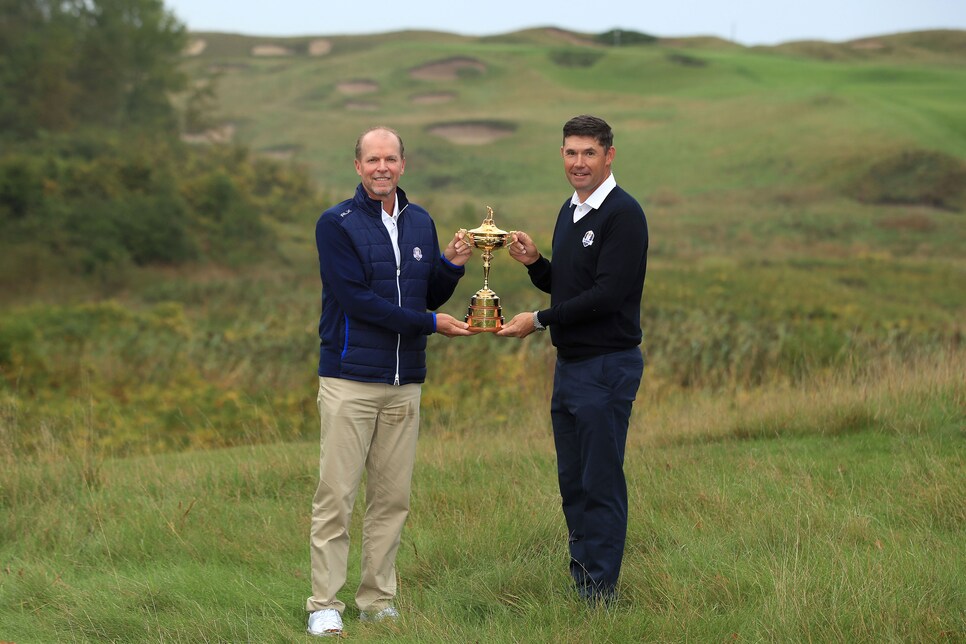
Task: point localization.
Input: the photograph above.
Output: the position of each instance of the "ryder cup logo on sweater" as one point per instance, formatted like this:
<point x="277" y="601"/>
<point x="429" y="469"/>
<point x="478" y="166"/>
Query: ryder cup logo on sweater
<point x="418" y="254"/>
<point x="588" y="238"/>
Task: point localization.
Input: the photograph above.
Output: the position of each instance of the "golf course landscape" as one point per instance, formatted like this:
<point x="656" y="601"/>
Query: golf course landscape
<point x="796" y="460"/>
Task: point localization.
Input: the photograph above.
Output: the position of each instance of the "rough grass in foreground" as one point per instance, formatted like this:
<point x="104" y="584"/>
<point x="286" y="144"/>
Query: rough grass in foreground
<point x="805" y="529"/>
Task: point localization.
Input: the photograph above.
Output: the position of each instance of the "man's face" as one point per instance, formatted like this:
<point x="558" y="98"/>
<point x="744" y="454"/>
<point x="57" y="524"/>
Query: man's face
<point x="380" y="164"/>
<point x="586" y="163"/>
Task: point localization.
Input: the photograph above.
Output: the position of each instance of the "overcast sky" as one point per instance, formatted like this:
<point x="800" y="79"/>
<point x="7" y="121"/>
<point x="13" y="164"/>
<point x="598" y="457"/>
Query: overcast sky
<point x="749" y="22"/>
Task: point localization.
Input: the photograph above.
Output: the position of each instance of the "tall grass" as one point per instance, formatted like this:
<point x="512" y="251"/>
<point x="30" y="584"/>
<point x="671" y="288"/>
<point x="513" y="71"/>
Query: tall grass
<point x="828" y="511"/>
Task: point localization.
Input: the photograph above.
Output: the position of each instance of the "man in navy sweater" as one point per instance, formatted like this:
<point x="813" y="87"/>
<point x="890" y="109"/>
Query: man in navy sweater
<point x="595" y="282"/>
<point x="382" y="274"/>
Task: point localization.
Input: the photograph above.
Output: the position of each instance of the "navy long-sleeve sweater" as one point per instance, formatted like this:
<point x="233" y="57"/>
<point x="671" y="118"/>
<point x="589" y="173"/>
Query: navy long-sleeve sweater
<point x="596" y="278"/>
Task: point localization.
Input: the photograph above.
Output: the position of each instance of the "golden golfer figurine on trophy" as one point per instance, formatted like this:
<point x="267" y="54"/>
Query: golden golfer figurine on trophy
<point x="485" y="312"/>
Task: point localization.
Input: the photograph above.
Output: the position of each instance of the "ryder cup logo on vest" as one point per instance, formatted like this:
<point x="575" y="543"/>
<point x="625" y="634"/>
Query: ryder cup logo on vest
<point x="588" y="238"/>
<point x="417" y="253"/>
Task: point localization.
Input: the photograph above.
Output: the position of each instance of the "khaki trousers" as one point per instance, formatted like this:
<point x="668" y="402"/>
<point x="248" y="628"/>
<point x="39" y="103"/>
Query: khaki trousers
<point x="371" y="428"/>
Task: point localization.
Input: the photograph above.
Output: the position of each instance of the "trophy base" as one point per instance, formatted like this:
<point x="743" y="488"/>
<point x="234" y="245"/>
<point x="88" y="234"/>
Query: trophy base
<point x="485" y="312"/>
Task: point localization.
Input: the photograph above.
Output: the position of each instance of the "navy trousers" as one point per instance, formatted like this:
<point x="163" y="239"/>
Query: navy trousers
<point x="590" y="409"/>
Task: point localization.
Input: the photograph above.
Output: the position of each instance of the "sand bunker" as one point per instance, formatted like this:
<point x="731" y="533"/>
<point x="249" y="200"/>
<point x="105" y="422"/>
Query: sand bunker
<point x="319" y="47"/>
<point x="354" y="87"/>
<point x="472" y="132"/>
<point x="449" y="69"/>
<point x="433" y="98"/>
<point x="223" y="133"/>
<point x="195" y="47"/>
<point x="271" y="50"/>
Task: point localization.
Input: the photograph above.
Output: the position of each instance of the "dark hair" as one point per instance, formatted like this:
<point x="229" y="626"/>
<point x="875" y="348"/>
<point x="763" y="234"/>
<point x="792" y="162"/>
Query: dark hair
<point x="586" y="125"/>
<point x="402" y="148"/>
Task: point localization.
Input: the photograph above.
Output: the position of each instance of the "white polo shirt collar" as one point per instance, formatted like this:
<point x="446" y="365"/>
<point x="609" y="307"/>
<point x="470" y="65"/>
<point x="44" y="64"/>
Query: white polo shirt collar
<point x="593" y="201"/>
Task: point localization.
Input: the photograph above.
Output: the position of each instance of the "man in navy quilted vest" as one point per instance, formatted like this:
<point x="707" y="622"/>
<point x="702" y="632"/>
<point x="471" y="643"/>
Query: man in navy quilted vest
<point x="383" y="274"/>
<point x="595" y="281"/>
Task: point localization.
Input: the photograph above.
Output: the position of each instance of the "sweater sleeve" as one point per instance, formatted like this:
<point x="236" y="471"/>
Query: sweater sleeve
<point x="539" y="272"/>
<point x="623" y="254"/>
<point x="341" y="271"/>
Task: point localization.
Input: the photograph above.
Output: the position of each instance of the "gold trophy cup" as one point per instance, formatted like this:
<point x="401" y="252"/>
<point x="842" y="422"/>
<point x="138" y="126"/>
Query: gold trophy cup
<point x="485" y="312"/>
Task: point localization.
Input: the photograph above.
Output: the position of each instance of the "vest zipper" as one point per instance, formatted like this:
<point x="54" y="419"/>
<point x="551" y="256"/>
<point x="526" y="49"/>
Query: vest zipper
<point x="398" y="294"/>
<point x="398" y="336"/>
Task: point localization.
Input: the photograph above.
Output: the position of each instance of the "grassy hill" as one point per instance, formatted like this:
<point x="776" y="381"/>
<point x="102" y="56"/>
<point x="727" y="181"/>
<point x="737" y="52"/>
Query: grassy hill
<point x="785" y="189"/>
<point x="796" y="461"/>
<point x="693" y="118"/>
<point x="758" y="155"/>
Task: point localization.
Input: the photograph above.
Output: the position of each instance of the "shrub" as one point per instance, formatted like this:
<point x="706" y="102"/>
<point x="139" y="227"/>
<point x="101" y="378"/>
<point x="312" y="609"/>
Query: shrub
<point x="575" y="57"/>
<point x="21" y="187"/>
<point x="94" y="205"/>
<point x="618" y="37"/>
<point x="154" y="229"/>
<point x="921" y="177"/>
<point x="685" y="60"/>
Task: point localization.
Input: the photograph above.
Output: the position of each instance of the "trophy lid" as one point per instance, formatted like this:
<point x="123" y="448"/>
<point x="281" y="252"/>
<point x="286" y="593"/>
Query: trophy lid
<point x="488" y="227"/>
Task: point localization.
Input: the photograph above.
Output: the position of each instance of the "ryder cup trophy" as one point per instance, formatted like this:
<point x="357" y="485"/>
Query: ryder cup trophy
<point x="485" y="312"/>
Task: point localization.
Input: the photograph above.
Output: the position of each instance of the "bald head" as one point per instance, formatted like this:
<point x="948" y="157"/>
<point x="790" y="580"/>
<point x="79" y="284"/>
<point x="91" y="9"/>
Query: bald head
<point x="379" y="131"/>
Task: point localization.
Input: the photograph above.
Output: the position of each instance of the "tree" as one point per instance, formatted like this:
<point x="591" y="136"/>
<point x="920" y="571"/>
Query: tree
<point x="37" y="43"/>
<point x="70" y="63"/>
<point x="129" y="63"/>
